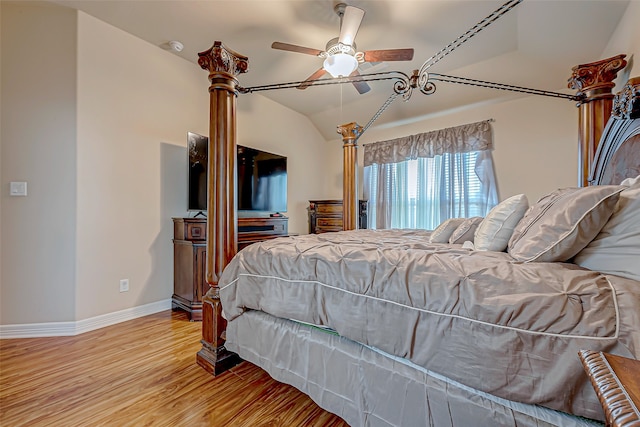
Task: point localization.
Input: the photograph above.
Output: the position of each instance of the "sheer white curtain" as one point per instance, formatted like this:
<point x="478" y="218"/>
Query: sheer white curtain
<point x="421" y="180"/>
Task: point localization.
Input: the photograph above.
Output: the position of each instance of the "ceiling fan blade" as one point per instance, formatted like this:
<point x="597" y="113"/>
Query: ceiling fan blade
<point x="361" y="87"/>
<point x="351" y="21"/>
<point x="388" y="55"/>
<point x="315" y="76"/>
<point x="296" y="48"/>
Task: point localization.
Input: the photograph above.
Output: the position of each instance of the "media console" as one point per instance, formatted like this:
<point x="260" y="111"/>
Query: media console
<point x="251" y="230"/>
<point x="190" y="252"/>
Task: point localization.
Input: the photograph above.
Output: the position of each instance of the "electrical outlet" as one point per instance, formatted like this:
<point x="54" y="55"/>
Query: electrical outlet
<point x="124" y="285"/>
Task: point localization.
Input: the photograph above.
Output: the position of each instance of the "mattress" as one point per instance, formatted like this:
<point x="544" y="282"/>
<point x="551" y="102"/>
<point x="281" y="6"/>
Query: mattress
<point x="370" y="388"/>
<point x="482" y="319"/>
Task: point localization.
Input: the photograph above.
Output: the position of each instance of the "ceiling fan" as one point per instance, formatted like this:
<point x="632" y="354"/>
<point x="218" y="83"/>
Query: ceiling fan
<point x="341" y="58"/>
<point x="404" y="84"/>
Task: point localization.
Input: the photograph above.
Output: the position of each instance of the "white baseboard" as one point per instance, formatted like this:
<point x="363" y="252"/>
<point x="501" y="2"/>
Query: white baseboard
<point x="63" y="329"/>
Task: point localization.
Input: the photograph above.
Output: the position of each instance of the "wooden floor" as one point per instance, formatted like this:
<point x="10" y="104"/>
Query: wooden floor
<point x="140" y="373"/>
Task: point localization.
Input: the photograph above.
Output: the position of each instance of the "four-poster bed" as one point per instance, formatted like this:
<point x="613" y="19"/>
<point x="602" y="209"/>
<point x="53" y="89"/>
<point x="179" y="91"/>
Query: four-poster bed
<point x="388" y="379"/>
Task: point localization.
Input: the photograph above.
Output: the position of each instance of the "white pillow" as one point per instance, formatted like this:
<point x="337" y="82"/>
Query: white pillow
<point x="616" y="249"/>
<point x="466" y="230"/>
<point x="495" y="230"/>
<point x="443" y="232"/>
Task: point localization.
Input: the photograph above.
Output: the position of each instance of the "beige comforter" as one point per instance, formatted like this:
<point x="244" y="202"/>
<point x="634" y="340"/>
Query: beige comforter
<point x="480" y="318"/>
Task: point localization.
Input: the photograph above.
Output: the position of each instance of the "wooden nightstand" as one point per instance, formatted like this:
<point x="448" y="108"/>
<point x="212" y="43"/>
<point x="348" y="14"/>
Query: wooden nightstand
<point x="616" y="380"/>
<point x="326" y="215"/>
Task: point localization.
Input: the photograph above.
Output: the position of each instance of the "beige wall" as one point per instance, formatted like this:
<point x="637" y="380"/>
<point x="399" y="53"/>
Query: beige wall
<point x="136" y="126"/>
<point x="98" y="129"/>
<point x="626" y="39"/>
<point x="290" y="134"/>
<point x="38" y="146"/>
<point x="132" y="161"/>
<point x="136" y="103"/>
<point x="1" y="177"/>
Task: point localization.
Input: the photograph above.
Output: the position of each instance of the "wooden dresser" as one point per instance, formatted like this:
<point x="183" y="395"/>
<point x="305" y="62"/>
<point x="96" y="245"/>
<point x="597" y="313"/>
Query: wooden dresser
<point x="326" y="215"/>
<point x="616" y="380"/>
<point x="190" y="252"/>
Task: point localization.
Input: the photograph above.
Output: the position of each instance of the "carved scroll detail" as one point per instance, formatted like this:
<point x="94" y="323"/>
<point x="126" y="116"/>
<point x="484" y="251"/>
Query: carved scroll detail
<point x="618" y="407"/>
<point x="626" y="104"/>
<point x="596" y="75"/>
<point x="220" y="58"/>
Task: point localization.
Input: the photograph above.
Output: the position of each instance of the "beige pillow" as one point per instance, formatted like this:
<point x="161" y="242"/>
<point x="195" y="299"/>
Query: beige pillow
<point x="443" y="232"/>
<point x="466" y="230"/>
<point x="495" y="230"/>
<point x="616" y="249"/>
<point x="562" y="223"/>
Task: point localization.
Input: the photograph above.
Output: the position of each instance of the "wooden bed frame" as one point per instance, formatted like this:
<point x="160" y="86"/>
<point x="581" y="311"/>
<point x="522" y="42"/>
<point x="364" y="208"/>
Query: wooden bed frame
<point x="593" y="81"/>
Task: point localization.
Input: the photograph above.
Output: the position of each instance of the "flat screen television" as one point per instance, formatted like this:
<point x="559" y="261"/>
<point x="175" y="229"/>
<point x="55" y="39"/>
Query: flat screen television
<point x="261" y="178"/>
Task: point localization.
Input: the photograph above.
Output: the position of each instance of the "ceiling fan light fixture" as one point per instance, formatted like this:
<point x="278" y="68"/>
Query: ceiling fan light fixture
<point x="340" y="64"/>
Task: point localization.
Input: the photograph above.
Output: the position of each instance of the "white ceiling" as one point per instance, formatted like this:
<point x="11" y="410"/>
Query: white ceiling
<point x="535" y="45"/>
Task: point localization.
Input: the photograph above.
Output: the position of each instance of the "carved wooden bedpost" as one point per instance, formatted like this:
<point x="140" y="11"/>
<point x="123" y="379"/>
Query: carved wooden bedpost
<point x="222" y="234"/>
<point x="594" y="83"/>
<point x="350" y="133"/>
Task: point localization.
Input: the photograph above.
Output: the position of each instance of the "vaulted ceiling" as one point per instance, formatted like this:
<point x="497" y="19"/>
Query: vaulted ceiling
<point x="534" y="45"/>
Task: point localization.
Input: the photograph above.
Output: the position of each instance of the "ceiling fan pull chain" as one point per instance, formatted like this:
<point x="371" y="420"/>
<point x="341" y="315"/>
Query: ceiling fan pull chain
<point x="341" y="105"/>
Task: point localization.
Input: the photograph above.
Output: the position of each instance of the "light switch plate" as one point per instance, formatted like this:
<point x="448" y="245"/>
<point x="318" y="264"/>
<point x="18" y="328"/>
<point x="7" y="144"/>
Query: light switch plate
<point x="18" y="188"/>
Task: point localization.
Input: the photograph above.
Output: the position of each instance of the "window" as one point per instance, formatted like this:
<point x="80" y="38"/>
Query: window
<point x="425" y="191"/>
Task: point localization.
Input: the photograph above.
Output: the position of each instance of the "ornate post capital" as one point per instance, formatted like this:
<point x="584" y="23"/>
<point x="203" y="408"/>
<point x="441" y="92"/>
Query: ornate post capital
<point x="626" y="104"/>
<point x="350" y="132"/>
<point x="220" y="59"/>
<point x="596" y="78"/>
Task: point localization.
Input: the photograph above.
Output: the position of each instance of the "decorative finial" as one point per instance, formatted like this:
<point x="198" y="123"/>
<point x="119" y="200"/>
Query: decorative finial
<point x="626" y="104"/>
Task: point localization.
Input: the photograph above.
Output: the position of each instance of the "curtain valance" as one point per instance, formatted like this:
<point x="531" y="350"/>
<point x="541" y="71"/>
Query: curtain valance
<point x="460" y="139"/>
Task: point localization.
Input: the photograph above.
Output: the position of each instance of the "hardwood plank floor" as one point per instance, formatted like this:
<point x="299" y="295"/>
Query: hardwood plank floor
<point x="140" y="373"/>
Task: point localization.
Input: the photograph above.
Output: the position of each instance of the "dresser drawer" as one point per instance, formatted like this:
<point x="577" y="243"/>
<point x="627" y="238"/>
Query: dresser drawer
<point x="328" y="209"/>
<point x="329" y="222"/>
<point x="320" y="229"/>
<point x="247" y="227"/>
<point x="190" y="229"/>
